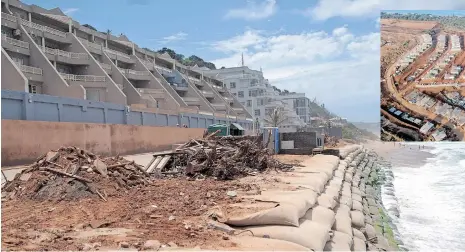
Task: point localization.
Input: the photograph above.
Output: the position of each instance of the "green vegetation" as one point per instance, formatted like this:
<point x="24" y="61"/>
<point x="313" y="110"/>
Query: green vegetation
<point x="454" y="22"/>
<point x="350" y="131"/>
<point x="189" y="61"/>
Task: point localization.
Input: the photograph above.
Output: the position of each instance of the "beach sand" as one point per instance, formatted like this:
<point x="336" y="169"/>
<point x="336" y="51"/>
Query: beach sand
<point x="400" y="154"/>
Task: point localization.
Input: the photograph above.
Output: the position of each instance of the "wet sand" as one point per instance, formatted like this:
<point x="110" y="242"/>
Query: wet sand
<point x="400" y="154"/>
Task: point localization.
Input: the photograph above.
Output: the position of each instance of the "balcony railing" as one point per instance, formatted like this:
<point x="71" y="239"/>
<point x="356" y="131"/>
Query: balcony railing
<point x="148" y="64"/>
<point x="163" y="68"/>
<point x="193" y="79"/>
<point x="84" y="78"/>
<point x="8" y="17"/>
<point x="91" y="44"/>
<point x="105" y="66"/>
<point x="43" y="28"/>
<point x="66" y="54"/>
<point x="29" y="69"/>
<point x="207" y="93"/>
<point x="15" y="42"/>
<point x="110" y="51"/>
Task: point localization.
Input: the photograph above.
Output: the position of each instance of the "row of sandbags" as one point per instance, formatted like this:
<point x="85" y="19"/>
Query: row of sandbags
<point x="348" y="149"/>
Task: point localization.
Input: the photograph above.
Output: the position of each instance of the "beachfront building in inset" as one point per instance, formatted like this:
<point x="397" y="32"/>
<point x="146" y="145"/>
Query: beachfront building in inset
<point x="47" y="52"/>
<point x="441" y="43"/>
<point x="455" y="43"/>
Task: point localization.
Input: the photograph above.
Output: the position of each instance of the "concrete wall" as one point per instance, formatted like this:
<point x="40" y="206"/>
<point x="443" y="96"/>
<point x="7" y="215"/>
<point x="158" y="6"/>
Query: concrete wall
<point x="304" y="142"/>
<point x="12" y="77"/>
<point x="39" y="107"/>
<point x="24" y="141"/>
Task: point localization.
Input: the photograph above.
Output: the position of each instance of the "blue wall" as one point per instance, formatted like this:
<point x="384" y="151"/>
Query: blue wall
<point x="39" y="107"/>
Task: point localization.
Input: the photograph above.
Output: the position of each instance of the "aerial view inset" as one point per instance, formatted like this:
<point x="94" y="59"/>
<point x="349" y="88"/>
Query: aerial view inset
<point x="422" y="76"/>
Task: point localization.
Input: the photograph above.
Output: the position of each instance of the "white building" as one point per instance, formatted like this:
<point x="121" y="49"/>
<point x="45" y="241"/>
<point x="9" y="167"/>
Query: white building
<point x="259" y="97"/>
<point x="455" y="41"/>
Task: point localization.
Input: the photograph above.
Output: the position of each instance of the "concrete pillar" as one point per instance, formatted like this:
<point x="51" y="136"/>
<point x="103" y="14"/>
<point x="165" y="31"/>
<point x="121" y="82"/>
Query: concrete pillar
<point x="43" y="42"/>
<point x="106" y="43"/>
<point x="92" y="37"/>
<point x="133" y="49"/>
<point x="70" y="26"/>
<point x="55" y="64"/>
<point x="29" y="17"/>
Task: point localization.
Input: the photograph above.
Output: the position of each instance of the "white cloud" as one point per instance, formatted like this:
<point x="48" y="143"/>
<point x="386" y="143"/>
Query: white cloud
<point x="172" y="38"/>
<point x="70" y="11"/>
<point x="254" y="11"/>
<point x="339" y="68"/>
<point x="325" y="9"/>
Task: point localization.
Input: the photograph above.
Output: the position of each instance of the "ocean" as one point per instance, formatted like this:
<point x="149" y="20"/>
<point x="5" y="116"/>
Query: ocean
<point x="425" y="196"/>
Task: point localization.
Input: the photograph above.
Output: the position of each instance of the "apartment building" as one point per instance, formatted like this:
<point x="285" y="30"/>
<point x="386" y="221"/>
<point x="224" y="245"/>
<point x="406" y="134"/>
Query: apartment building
<point x="259" y="97"/>
<point x="45" y="51"/>
<point x="442" y="43"/>
<point x="456" y="43"/>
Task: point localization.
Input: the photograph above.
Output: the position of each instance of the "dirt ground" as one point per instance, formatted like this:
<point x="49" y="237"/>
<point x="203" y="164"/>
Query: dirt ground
<point x="173" y="211"/>
<point x="409" y="24"/>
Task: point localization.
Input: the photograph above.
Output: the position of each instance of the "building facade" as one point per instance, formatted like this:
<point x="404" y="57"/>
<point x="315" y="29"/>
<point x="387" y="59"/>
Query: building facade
<point x="260" y="98"/>
<point x="47" y="52"/>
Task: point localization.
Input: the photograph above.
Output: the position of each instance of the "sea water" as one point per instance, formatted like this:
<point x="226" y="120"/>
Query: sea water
<point x="426" y="198"/>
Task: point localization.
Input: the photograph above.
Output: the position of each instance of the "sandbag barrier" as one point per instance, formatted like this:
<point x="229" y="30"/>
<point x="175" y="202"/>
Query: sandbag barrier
<point x="334" y="206"/>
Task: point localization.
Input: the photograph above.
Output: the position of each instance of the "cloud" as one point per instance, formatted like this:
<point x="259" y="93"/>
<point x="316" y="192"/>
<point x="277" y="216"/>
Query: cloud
<point x="254" y="11"/>
<point x="325" y="9"/>
<point x="339" y="68"/>
<point x="172" y="38"/>
<point x="70" y="11"/>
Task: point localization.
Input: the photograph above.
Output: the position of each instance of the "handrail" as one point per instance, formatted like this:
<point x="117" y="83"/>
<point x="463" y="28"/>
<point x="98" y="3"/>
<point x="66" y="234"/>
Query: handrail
<point x="91" y="44"/>
<point x="8" y="17"/>
<point x="130" y="71"/>
<point x="106" y="66"/>
<point x="43" y="28"/>
<point x="30" y="69"/>
<point x="15" y="42"/>
<point x="117" y="53"/>
<point x="163" y="68"/>
<point x="85" y="78"/>
<point x="66" y="54"/>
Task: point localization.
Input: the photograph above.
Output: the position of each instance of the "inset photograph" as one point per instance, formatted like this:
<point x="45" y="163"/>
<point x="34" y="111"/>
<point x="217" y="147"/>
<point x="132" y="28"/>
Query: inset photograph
<point x="422" y="75"/>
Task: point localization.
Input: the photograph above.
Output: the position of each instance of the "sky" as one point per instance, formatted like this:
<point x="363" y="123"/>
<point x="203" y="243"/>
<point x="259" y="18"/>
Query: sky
<point x="328" y="49"/>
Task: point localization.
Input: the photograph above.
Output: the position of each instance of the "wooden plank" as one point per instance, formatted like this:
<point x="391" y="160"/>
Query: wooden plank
<point x="163" y="162"/>
<point x="170" y="152"/>
<point x="150" y="163"/>
<point x="154" y="164"/>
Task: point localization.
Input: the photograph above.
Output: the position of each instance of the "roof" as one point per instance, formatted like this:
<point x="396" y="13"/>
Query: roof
<point x="237" y="126"/>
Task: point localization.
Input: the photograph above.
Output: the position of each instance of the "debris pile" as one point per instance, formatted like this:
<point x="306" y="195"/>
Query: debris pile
<point x="224" y="158"/>
<point x="71" y="173"/>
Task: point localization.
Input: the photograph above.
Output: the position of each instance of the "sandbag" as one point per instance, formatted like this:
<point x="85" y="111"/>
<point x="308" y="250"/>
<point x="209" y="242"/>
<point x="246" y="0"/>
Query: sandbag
<point x="346" y="201"/>
<point x="292" y="206"/>
<point x="320" y="214"/>
<point x="342" y="222"/>
<point x="308" y="234"/>
<point x="332" y="190"/>
<point x="356" y="190"/>
<point x="368" y="220"/>
<point x="326" y="200"/>
<point x="314" y="181"/>
<point x="356" y="205"/>
<point x="371" y="202"/>
<point x="358" y="245"/>
<point x="370" y="232"/>
<point x="251" y="243"/>
<point x="373" y="210"/>
<point x="339" y="242"/>
<point x="358" y="219"/>
<point x="356" y="197"/>
<point x="359" y="234"/>
<point x="346" y="192"/>
<point x="339" y="174"/>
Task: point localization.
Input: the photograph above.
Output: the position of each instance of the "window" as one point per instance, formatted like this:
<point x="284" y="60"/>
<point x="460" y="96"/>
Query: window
<point x="234" y="94"/>
<point x="32" y="89"/>
<point x="253" y="82"/>
<point x="232" y="85"/>
<point x="253" y="93"/>
<point x="240" y="94"/>
<point x="249" y="103"/>
<point x="261" y="102"/>
<point x="257" y="112"/>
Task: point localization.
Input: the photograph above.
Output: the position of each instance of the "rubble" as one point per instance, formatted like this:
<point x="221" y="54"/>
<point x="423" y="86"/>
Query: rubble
<point x="70" y="173"/>
<point x="226" y="157"/>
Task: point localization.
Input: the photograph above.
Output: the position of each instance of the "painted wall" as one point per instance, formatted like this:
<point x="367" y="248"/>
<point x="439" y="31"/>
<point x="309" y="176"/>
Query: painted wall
<point x="24" y="141"/>
<point x="38" y="107"/>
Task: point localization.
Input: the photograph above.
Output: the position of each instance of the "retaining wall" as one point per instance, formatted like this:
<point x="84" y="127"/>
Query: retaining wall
<point x="23" y="141"/>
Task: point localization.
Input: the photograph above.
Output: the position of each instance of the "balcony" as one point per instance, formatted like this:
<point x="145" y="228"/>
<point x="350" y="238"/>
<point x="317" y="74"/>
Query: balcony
<point x="92" y="47"/>
<point x="106" y="67"/>
<point x="154" y="93"/>
<point x="208" y="94"/>
<point x="67" y="57"/>
<point x="85" y="80"/>
<point x="219" y="106"/>
<point x="32" y="73"/>
<point x="218" y="88"/>
<point x="118" y="55"/>
<point x="163" y="69"/>
<point x="148" y="64"/>
<point x="194" y="80"/>
<point x="8" y="17"/>
<point x="15" y="45"/>
<point x="49" y="32"/>
<point x="135" y="75"/>
<point x="180" y="87"/>
<point x="238" y="110"/>
<point x="191" y="101"/>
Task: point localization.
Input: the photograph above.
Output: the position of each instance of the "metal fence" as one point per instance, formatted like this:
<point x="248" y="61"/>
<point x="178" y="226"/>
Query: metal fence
<point x="38" y="107"/>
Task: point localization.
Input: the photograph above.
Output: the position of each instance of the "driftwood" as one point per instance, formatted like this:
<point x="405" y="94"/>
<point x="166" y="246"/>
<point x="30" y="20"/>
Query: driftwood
<point x="67" y="174"/>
